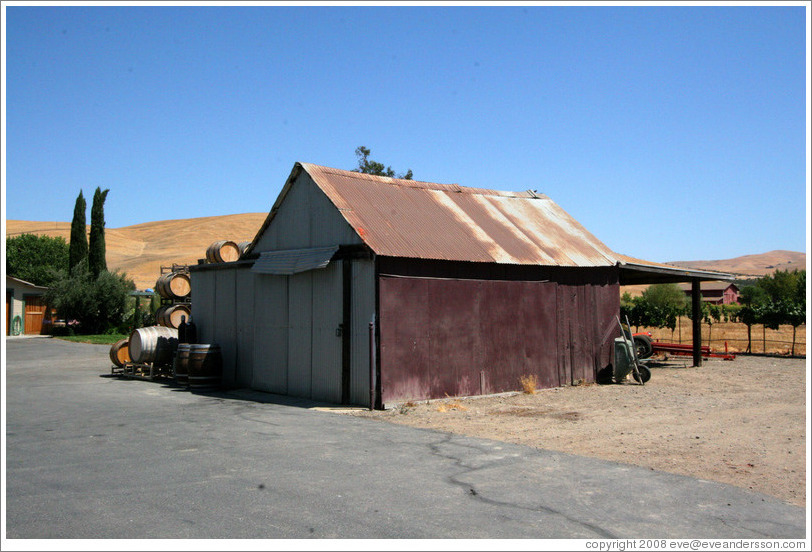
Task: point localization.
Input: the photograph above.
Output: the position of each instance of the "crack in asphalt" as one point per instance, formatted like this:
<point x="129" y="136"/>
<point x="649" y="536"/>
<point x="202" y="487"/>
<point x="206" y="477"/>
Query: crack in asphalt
<point x="472" y="492"/>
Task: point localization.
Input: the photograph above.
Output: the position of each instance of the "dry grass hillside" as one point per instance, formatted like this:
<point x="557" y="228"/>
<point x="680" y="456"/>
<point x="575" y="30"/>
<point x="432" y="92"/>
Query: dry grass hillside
<point x="751" y="265"/>
<point x="744" y="267"/>
<point x="142" y="249"/>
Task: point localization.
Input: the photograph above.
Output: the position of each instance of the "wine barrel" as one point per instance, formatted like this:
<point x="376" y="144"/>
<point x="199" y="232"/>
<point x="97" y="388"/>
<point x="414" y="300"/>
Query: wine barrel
<point x="174" y="285"/>
<point x="205" y="365"/>
<point x="120" y="352"/>
<point x="243" y="247"/>
<point x="182" y="364"/>
<point x="155" y="344"/>
<point x="159" y="315"/>
<point x="171" y="315"/>
<point x="223" y="251"/>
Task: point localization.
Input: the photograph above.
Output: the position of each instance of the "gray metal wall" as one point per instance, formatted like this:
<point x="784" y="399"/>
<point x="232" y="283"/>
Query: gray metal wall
<point x="306" y="218"/>
<point x="278" y="333"/>
<point x="270" y="343"/>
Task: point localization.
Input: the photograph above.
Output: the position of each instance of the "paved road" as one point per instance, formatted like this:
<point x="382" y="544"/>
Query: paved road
<point x="91" y="456"/>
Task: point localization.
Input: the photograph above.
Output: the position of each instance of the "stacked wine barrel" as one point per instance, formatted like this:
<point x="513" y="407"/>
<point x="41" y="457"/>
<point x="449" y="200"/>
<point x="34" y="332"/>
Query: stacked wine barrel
<point x="175" y="287"/>
<point x="153" y="344"/>
<point x="223" y="251"/>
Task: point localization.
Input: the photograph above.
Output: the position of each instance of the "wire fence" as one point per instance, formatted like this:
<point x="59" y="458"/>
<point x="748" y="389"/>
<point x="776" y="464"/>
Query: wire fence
<point x="732" y="336"/>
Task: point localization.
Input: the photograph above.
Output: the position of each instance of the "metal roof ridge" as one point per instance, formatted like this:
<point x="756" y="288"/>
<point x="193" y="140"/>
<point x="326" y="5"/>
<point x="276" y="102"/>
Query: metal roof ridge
<point x="420" y="184"/>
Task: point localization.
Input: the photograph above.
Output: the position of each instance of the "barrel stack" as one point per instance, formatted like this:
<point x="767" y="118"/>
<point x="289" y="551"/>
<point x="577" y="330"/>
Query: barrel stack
<point x="170" y="346"/>
<point x="175" y="288"/>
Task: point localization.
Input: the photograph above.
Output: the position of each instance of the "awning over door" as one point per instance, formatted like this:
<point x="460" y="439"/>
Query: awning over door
<point x="293" y="261"/>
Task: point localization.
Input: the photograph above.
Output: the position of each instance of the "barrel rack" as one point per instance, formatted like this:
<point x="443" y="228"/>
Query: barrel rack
<point x="135" y="370"/>
<point x="182" y="269"/>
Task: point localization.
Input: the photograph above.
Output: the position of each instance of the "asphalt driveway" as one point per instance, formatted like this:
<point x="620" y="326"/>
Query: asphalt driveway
<point x="91" y="456"/>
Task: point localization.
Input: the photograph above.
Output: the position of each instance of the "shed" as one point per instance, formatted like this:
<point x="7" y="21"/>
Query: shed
<point x="370" y="290"/>
<point x="716" y="293"/>
<point x="26" y="312"/>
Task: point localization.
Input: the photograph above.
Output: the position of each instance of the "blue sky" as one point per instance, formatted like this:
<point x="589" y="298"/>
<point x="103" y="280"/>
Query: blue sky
<point x="670" y="132"/>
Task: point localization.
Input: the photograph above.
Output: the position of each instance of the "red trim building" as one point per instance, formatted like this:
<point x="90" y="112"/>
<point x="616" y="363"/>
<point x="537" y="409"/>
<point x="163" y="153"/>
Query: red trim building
<point x="716" y="293"/>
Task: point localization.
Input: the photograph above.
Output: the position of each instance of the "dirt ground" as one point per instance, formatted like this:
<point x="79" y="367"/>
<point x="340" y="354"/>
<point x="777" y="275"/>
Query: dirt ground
<point x="740" y="422"/>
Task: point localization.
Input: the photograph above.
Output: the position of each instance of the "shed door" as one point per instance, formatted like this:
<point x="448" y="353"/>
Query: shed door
<point x="34" y="314"/>
<point x="315" y="314"/>
<point x="327" y="333"/>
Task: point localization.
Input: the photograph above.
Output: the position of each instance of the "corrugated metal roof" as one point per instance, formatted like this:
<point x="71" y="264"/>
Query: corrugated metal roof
<point x="293" y="261"/>
<point x="425" y="220"/>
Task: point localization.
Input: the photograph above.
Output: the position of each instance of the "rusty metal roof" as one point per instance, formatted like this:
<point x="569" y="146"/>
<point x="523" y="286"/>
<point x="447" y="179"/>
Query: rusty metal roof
<point x="425" y="220"/>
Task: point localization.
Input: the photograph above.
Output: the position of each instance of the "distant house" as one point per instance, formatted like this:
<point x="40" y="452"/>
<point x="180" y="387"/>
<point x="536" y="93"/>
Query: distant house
<point x="716" y="293"/>
<point x="26" y="311"/>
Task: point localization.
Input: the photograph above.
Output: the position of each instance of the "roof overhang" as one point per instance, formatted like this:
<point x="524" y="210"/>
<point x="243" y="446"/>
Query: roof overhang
<point x="23" y="283"/>
<point x="634" y="273"/>
<point x="293" y="261"/>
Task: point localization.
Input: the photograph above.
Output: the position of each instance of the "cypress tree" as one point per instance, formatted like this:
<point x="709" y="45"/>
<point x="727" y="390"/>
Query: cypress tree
<point x="97" y="256"/>
<point x="77" y="251"/>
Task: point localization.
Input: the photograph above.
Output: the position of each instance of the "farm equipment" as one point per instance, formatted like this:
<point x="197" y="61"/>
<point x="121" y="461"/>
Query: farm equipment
<point x="686" y="349"/>
<point x="626" y="359"/>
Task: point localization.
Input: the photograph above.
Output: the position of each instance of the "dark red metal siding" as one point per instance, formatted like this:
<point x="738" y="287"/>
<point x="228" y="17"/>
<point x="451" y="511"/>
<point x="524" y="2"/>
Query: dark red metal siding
<point x="455" y="337"/>
<point x="464" y="337"/>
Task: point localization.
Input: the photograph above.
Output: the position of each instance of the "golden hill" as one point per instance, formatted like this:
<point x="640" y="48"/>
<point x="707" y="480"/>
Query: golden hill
<point x="752" y="265"/>
<point x="142" y="249"/>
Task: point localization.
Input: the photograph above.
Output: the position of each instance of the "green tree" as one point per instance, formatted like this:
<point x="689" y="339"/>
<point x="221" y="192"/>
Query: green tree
<point x="78" y="233"/>
<point x="97" y="304"/>
<point x="782" y="285"/>
<point x="36" y="259"/>
<point x="367" y="166"/>
<point x="97" y="255"/>
<point x="665" y="303"/>
<point x="775" y="299"/>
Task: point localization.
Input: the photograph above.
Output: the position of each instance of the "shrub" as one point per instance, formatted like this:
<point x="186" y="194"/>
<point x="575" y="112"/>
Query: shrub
<point x="96" y="303"/>
<point x="529" y="384"/>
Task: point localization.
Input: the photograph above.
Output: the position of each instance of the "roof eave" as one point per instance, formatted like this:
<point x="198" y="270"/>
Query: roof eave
<point x="634" y="273"/>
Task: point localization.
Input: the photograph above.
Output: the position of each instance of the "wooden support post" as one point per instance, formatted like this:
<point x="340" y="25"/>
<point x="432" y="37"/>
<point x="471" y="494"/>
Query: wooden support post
<point x="696" y="307"/>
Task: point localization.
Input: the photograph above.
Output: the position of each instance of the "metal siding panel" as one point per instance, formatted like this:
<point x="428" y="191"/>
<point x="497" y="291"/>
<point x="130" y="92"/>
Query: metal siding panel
<point x="583" y="360"/>
<point x="300" y="336"/>
<point x="517" y="322"/>
<point x="454" y="335"/>
<point x="538" y="314"/>
<point x="245" y="328"/>
<point x="306" y="218"/>
<point x="270" y="359"/>
<point x="439" y="335"/>
<point x="204" y="306"/>
<point x="404" y="330"/>
<point x="564" y="332"/>
<point x="327" y="346"/>
<point x="290" y="228"/>
<point x="226" y="332"/>
<point x="363" y="309"/>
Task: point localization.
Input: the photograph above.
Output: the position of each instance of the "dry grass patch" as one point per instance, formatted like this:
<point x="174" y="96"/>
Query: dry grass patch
<point x="529" y="384"/>
<point x="445" y="407"/>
